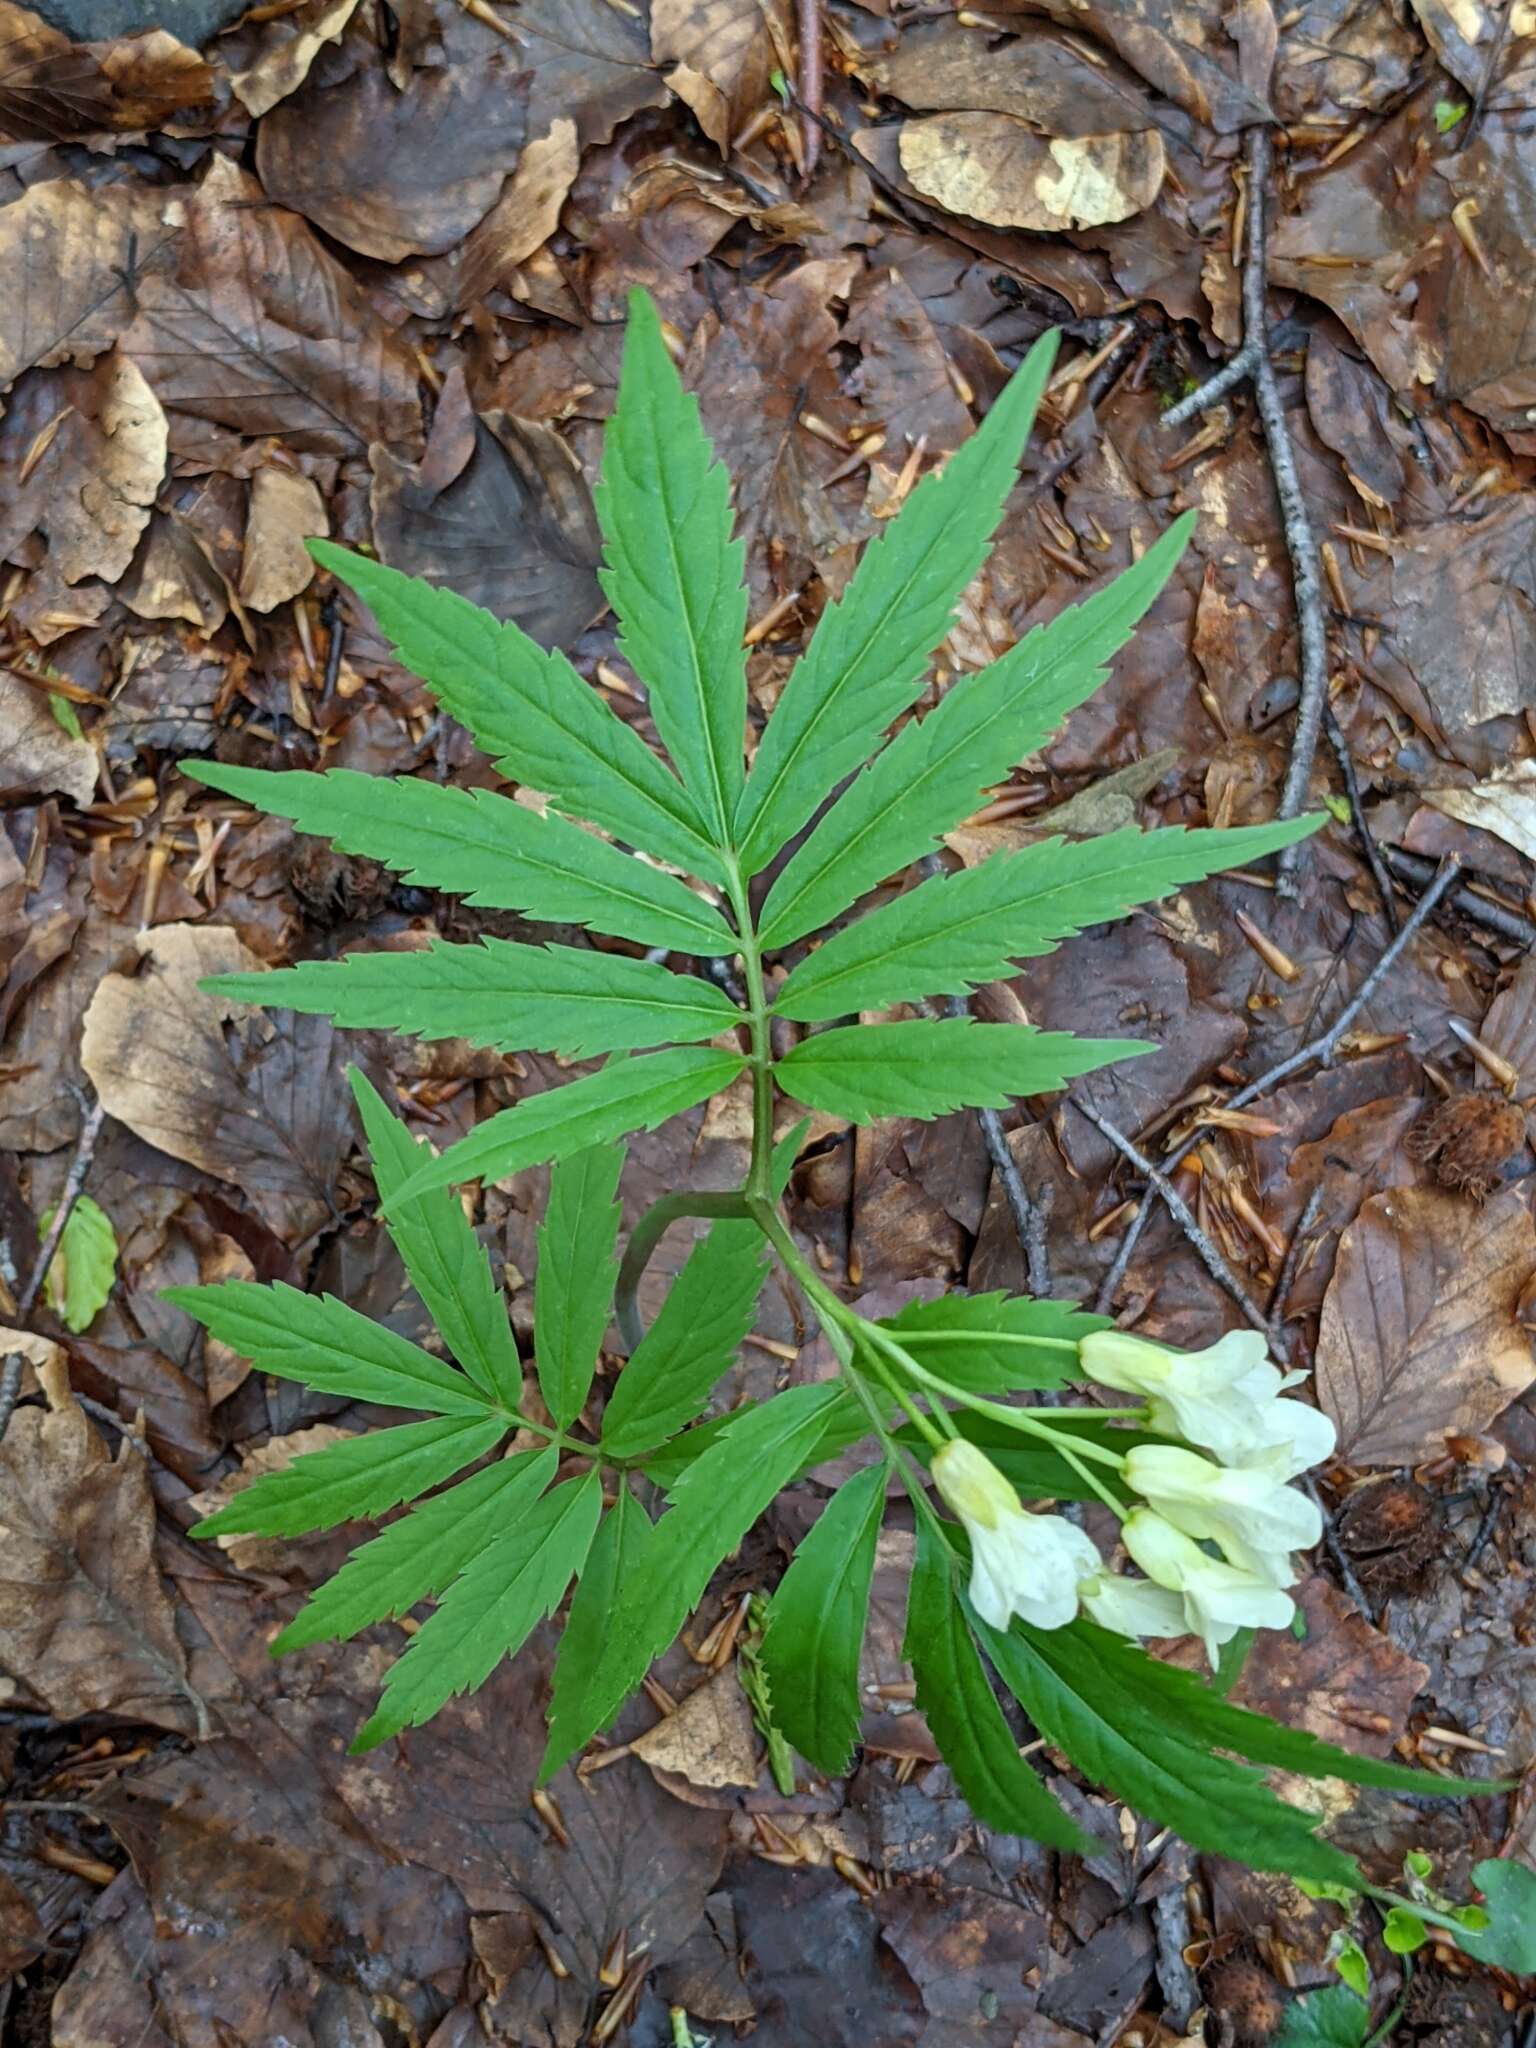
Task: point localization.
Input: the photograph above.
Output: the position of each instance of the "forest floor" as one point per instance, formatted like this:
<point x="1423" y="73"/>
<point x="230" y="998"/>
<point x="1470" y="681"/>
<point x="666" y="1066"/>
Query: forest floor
<point x="361" y="269"/>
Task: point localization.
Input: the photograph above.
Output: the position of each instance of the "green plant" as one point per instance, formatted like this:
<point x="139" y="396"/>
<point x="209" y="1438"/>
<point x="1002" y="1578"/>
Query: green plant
<point x="502" y="1547"/>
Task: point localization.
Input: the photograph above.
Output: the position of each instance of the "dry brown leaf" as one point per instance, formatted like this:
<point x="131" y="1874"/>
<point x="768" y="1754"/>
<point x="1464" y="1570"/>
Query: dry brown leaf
<point x="83" y="1615"/>
<point x="710" y="1740"/>
<point x="1181" y="47"/>
<point x="65" y="256"/>
<point x="998" y="170"/>
<point x="724" y="51"/>
<point x="172" y="577"/>
<point x="48" y="88"/>
<point x="260" y="330"/>
<point x="1510" y="1026"/>
<point x="1505" y="805"/>
<point x="112" y="469"/>
<point x="1419" y="1336"/>
<point x="1039" y="76"/>
<point x="291" y="44"/>
<point x="286" y="510"/>
<point x="1464" y="614"/>
<point x="526" y="214"/>
<point x="36" y="753"/>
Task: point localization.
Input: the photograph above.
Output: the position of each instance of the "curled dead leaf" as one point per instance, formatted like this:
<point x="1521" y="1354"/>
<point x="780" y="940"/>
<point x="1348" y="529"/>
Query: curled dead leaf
<point x="289" y="46"/>
<point x="724" y="52"/>
<point x="526" y="214"/>
<point x="998" y="170"/>
<point x="1505" y="805"/>
<point x="286" y="510"/>
<point x="1420" y="1336"/>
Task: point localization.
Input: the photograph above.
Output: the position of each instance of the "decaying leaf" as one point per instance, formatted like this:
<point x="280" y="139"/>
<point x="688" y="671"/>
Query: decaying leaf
<point x="1510" y="1026"/>
<point x="108" y="459"/>
<point x="526" y="214"/>
<point x="83" y="1616"/>
<point x="723" y="51"/>
<point x="291" y="44"/>
<point x="1039" y="76"/>
<point x="286" y="510"/>
<point x="65" y="255"/>
<point x="1505" y="805"/>
<point x="1419" y="1336"/>
<point x="36" y="753"/>
<point x="997" y="169"/>
<point x="710" y="1740"/>
<point x="1463" y="614"/>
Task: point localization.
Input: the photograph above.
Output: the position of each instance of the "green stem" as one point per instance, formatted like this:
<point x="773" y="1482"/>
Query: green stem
<point x="760" y="1059"/>
<point x="905" y="1401"/>
<point x="1023" y="1419"/>
<point x="1388" y="2026"/>
<point x="643" y="1240"/>
<point x="926" y="1337"/>
<point x="554" y="1436"/>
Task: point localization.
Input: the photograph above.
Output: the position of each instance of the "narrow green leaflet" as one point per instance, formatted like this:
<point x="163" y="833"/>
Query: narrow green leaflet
<point x="846" y="1424"/>
<point x="445" y="1261"/>
<point x="320" y="1342"/>
<point x="693" y="1341"/>
<point x="636" y="1095"/>
<point x="490" y="1609"/>
<point x="933" y="773"/>
<point x="871" y="647"/>
<point x="1083" y="1706"/>
<point x="573" y="1287"/>
<point x="416" y="1557"/>
<point x="484" y="847"/>
<point x="988" y="1343"/>
<point x="569" y="1000"/>
<point x="714" y="1503"/>
<point x="929" y="1066"/>
<point x="956" y="932"/>
<point x="672" y="572"/>
<point x="955" y="1694"/>
<point x="598" y="1613"/>
<point x="367" y="1475"/>
<point x="530" y="711"/>
<point x="816" y="1624"/>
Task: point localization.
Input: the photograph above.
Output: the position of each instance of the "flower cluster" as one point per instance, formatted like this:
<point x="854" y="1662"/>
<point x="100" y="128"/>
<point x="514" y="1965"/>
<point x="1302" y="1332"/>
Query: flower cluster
<point x="1214" y="1534"/>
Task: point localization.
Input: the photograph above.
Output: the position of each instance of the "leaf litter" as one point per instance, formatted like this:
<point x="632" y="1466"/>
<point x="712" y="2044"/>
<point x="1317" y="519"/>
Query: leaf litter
<point x="355" y="272"/>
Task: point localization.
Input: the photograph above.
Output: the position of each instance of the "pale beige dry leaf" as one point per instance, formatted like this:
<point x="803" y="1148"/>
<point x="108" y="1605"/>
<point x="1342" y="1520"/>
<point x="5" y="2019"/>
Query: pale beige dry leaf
<point x="35" y="1353"/>
<point x="710" y="1740"/>
<point x="94" y="525"/>
<point x="286" y="510"/>
<point x="998" y="170"/>
<point x="1419" y="1336"/>
<point x="294" y="42"/>
<point x="526" y="214"/>
<point x="1505" y="805"/>
<point x="725" y="52"/>
<point x="259" y="1553"/>
<point x="36" y="753"/>
<point x="83" y="1615"/>
<point x="64" y="255"/>
<point x="1510" y="1026"/>
<point x="172" y="577"/>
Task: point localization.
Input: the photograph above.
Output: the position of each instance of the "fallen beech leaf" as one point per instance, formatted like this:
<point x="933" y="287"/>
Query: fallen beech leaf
<point x="260" y="1105"/>
<point x="49" y="89"/>
<point x="286" y="510"/>
<point x="64" y="254"/>
<point x="1505" y="805"/>
<point x="1463" y="599"/>
<point x="260" y="330"/>
<point x="1420" y="1338"/>
<point x="36" y="753"/>
<point x="1038" y="76"/>
<point x="710" y="1740"/>
<point x="998" y="170"/>
<point x="83" y="1614"/>
<point x="1182" y="50"/>
<point x="725" y="52"/>
<point x="109" y="469"/>
<point x="1339" y="1682"/>
<point x="153" y="78"/>
<point x="290" y="46"/>
<point x="1510" y="1026"/>
<point x="525" y="216"/>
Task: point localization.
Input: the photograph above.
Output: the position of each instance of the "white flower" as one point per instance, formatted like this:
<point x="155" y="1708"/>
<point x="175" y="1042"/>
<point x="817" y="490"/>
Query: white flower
<point x="1023" y="1564"/>
<point x="1226" y="1398"/>
<point x="1133" y="1607"/>
<point x="1218" y="1599"/>
<point x="1247" y="1510"/>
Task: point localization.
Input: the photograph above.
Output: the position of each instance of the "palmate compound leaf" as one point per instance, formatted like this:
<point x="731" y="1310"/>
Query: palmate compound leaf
<point x="871" y="647"/>
<point x="573" y="1287"/>
<point x="955" y="1695"/>
<point x="714" y="1503"/>
<point x="932" y="774"/>
<point x="956" y="932"/>
<point x="982" y="1342"/>
<point x="444" y="1260"/>
<point x="530" y="711"/>
<point x="320" y="1342"/>
<point x="692" y="1343"/>
<point x="672" y="572"/>
<point x="927" y="1067"/>
<point x="367" y="1475"/>
<point x="488" y="1612"/>
<point x="569" y="1000"/>
<point x="816" y="1624"/>
<point x="635" y="1095"/>
<point x="482" y="846"/>
<point x="415" y="1558"/>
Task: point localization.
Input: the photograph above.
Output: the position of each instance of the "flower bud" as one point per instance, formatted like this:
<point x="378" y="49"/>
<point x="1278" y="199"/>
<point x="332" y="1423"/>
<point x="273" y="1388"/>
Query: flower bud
<point x="1218" y="1598"/>
<point x="1029" y="1565"/>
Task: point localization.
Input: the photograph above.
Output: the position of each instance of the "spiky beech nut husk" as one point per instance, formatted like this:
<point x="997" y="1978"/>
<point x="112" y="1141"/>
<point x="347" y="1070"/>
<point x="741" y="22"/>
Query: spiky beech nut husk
<point x="1248" y="1999"/>
<point x="1390" y="1531"/>
<point x="1470" y="1139"/>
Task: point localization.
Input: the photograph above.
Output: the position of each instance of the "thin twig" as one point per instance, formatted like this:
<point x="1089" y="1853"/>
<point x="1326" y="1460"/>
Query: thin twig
<point x="332" y="619"/>
<point x="810" y="83"/>
<point x="1179" y="1209"/>
<point x="1412" y="868"/>
<point x="1488" y="1521"/>
<point x="1293" y="1251"/>
<point x="1363" y="832"/>
<point x="74" y="1182"/>
<point x="1322" y="1049"/>
<point x="1253" y="362"/>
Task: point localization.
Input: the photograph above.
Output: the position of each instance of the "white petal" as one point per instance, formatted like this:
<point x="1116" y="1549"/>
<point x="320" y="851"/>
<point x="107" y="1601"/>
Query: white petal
<point x="1135" y="1607"/>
